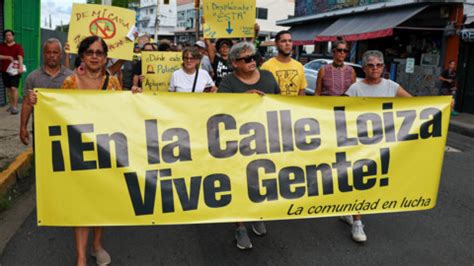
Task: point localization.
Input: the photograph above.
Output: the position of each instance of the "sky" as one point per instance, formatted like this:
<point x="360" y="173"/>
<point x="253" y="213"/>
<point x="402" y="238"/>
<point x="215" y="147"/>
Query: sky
<point x="60" y="10"/>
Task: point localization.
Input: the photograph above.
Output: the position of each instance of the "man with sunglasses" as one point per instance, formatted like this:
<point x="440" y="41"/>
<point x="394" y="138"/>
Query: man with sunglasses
<point x="288" y="72"/>
<point x="372" y="86"/>
<point x="246" y="78"/>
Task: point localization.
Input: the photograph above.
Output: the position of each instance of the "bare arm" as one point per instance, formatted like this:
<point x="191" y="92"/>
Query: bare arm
<point x="319" y="82"/>
<point x="354" y="77"/>
<point x="67" y="58"/>
<point x="20" y="64"/>
<point x="26" y="110"/>
<point x="401" y="92"/>
<point x="211" y="52"/>
<point x="6" y="57"/>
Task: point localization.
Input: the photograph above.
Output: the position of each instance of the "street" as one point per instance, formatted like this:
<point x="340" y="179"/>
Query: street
<point x="441" y="236"/>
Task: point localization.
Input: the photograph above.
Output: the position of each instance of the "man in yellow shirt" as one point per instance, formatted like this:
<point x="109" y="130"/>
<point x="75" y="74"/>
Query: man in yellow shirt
<point x="288" y="72"/>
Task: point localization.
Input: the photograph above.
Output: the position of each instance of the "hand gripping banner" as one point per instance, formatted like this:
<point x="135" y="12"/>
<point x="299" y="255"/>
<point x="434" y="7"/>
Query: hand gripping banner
<point x="114" y="158"/>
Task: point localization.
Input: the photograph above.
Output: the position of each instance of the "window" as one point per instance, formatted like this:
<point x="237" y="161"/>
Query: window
<point x="151" y="11"/>
<point x="262" y="13"/>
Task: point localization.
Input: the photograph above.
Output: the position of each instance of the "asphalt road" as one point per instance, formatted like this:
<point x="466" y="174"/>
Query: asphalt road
<point x="441" y="236"/>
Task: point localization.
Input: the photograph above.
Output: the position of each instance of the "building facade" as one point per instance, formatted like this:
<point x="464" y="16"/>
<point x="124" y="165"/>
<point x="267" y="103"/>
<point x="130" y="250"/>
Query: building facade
<point x="411" y="29"/>
<point x="157" y="17"/>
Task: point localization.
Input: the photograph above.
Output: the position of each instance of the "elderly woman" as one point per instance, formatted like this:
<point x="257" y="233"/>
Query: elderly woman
<point x="372" y="86"/>
<point x="334" y="79"/>
<point x="246" y="78"/>
<point x="190" y="78"/>
<point x="93" y="53"/>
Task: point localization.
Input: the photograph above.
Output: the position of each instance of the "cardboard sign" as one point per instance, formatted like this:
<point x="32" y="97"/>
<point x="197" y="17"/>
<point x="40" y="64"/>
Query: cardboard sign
<point x="112" y="24"/>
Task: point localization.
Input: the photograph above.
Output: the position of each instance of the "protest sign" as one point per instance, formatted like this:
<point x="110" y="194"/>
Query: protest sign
<point x="114" y="158"/>
<point x="158" y="67"/>
<point x="110" y="23"/>
<point x="229" y="18"/>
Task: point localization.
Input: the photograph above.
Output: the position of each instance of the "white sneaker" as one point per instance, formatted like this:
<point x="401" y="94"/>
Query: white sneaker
<point x="358" y="233"/>
<point x="348" y="219"/>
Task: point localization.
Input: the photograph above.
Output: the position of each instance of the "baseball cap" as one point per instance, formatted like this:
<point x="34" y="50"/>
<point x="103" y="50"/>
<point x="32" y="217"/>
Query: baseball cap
<point x="200" y="44"/>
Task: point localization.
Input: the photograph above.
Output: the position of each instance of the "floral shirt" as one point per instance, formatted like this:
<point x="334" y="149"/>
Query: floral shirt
<point x="71" y="83"/>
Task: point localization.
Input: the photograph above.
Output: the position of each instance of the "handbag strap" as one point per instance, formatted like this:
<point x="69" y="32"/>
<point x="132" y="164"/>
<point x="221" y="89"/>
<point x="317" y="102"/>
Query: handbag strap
<point x="195" y="79"/>
<point x="106" y="81"/>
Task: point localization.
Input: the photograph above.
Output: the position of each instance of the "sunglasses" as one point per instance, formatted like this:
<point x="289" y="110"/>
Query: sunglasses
<point x="379" y="65"/>
<point x="340" y="50"/>
<point x="188" y="58"/>
<point x="248" y="58"/>
<point x="97" y="53"/>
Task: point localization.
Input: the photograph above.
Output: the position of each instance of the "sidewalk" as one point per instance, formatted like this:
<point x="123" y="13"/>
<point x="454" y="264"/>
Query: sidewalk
<point x="463" y="124"/>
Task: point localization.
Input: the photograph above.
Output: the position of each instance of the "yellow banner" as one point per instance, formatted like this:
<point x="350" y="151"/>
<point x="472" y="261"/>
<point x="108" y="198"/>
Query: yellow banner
<point x="114" y="158"/>
<point x="229" y="18"/>
<point x="110" y="23"/>
<point x="158" y="67"/>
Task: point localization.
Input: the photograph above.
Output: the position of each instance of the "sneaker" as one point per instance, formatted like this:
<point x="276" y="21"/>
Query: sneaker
<point x="101" y="257"/>
<point x="14" y="111"/>
<point x="242" y="238"/>
<point x="9" y="109"/>
<point x="454" y="113"/>
<point x="259" y="228"/>
<point x="348" y="219"/>
<point x="358" y="233"/>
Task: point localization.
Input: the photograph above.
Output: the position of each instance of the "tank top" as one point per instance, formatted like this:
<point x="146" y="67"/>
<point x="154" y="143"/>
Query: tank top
<point x="336" y="80"/>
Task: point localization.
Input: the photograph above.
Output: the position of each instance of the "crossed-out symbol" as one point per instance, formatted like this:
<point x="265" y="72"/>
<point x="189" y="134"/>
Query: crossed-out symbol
<point x="103" y="27"/>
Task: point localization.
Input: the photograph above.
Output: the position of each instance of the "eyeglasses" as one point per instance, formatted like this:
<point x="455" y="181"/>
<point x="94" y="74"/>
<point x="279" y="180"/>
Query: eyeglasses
<point x="248" y="58"/>
<point x="378" y="65"/>
<point x="340" y="50"/>
<point x="97" y="53"/>
<point x="189" y="58"/>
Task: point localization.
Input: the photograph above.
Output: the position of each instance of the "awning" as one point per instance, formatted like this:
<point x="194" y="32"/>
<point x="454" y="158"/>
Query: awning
<point x="368" y="26"/>
<point x="305" y="34"/>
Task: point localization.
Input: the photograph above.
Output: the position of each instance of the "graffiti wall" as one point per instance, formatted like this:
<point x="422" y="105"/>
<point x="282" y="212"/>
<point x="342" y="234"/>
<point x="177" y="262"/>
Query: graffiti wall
<point x="312" y="7"/>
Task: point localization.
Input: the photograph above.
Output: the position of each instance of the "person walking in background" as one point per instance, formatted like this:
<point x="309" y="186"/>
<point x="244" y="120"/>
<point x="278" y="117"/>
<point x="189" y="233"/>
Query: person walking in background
<point x="448" y="83"/>
<point x="334" y="79"/>
<point x="11" y="52"/>
<point x="288" y="72"/>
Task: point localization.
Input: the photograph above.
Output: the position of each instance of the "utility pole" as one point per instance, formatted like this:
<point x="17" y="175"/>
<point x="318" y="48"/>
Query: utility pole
<point x="196" y="19"/>
<point x="157" y="20"/>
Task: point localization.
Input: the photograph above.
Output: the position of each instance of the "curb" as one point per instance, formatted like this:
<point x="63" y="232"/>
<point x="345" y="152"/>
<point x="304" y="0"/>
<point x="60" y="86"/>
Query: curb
<point x="461" y="128"/>
<point x="18" y="168"/>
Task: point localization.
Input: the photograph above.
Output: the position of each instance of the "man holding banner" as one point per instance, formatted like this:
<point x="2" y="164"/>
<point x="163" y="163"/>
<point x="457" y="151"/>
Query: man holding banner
<point x="246" y="78"/>
<point x="372" y="86"/>
<point x="288" y="72"/>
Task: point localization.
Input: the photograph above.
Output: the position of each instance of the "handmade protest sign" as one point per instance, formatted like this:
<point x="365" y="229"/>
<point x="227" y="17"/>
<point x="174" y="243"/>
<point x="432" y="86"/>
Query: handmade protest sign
<point x="114" y="158"/>
<point x="158" y="67"/>
<point x="110" y="23"/>
<point x="229" y="18"/>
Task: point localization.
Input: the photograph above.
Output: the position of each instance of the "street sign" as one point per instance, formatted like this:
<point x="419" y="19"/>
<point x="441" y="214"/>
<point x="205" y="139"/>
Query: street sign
<point x="410" y="66"/>
<point x="467" y="35"/>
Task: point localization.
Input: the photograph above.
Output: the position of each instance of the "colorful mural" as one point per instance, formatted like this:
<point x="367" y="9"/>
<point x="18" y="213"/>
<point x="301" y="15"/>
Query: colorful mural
<point x="312" y="7"/>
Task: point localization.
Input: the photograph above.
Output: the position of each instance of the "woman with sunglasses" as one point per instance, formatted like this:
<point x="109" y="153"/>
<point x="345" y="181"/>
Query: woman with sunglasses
<point x="191" y="78"/>
<point x="334" y="79"/>
<point x="93" y="53"/>
<point x="246" y="78"/>
<point x="372" y="86"/>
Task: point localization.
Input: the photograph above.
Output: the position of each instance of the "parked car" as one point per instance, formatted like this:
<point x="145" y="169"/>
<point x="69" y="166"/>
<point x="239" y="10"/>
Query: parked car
<point x="311" y="70"/>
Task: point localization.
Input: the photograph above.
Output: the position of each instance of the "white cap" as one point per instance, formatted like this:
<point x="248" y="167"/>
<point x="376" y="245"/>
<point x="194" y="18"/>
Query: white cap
<point x="200" y="44"/>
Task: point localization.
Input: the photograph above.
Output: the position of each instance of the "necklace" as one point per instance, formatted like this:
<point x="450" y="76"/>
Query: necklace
<point x="337" y="65"/>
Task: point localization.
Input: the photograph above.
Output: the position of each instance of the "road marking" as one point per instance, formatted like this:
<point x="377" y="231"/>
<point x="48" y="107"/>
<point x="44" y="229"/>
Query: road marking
<point x="451" y="149"/>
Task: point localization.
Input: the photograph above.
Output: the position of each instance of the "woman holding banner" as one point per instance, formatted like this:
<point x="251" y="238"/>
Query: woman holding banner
<point x="191" y="78"/>
<point x="93" y="53"/>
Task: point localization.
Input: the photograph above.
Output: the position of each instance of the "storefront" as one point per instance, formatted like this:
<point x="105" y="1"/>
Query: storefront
<point x="419" y="31"/>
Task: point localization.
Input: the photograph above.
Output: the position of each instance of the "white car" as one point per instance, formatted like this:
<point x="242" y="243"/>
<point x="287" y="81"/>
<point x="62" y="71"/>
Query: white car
<point x="311" y="70"/>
